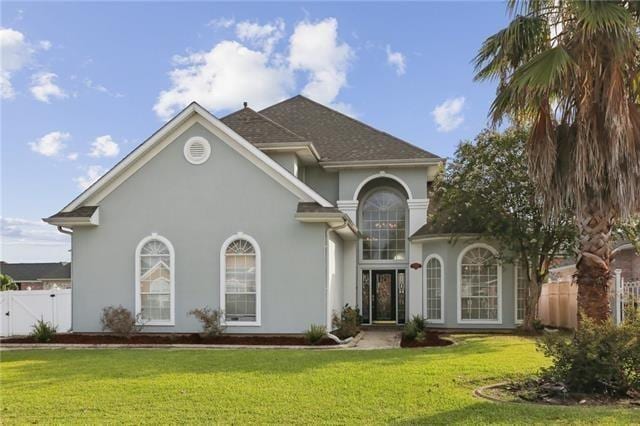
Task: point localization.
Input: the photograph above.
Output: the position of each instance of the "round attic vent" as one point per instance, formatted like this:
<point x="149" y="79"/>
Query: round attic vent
<point x="197" y="150"/>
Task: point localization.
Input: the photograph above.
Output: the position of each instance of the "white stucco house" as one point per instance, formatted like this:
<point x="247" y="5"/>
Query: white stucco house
<point x="280" y="218"/>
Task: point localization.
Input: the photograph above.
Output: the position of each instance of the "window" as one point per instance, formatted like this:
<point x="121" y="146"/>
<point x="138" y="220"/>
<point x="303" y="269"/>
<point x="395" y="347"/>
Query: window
<point x="479" y="285"/>
<point x="240" y="280"/>
<point x="155" y="267"/>
<point x="383" y="227"/>
<point x="521" y="292"/>
<point x="434" y="283"/>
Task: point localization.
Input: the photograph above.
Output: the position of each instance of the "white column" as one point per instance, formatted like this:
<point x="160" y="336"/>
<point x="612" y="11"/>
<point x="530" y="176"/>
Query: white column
<point x="415" y="280"/>
<point x="350" y="208"/>
<point x="417" y="213"/>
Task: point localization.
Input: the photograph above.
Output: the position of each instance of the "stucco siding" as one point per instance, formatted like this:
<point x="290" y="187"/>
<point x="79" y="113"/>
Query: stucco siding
<point x="449" y="253"/>
<point x="335" y="278"/>
<point x="197" y="208"/>
<point x="323" y="182"/>
<point x="414" y="178"/>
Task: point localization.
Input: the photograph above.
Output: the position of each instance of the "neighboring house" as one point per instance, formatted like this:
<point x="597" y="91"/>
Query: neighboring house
<point x="38" y="276"/>
<point x="280" y="218"/>
<point x="623" y="257"/>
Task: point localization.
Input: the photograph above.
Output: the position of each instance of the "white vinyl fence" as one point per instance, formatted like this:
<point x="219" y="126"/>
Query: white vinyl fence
<point x="626" y="296"/>
<point x="21" y="310"/>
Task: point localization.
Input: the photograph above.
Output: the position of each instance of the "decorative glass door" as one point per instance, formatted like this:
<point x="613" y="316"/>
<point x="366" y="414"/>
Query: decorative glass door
<point x="384" y="296"/>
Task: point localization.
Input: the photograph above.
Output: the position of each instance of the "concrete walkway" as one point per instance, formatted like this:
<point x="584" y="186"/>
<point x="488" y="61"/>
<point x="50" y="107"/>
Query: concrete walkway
<point x="379" y="339"/>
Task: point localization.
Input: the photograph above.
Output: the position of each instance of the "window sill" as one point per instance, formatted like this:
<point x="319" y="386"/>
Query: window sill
<point x="460" y="321"/>
<point x="158" y="323"/>
<point x="242" y="324"/>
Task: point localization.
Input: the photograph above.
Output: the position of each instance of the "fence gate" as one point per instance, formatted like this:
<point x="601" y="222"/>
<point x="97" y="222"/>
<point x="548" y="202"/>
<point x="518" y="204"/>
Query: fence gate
<point x="21" y="310"/>
<point x="626" y="296"/>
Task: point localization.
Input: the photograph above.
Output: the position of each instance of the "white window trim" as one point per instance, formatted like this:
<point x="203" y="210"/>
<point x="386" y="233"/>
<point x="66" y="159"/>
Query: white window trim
<point x="223" y="277"/>
<point x="424" y="291"/>
<point x="459" y="287"/>
<point x="172" y="268"/>
<point x="515" y="291"/>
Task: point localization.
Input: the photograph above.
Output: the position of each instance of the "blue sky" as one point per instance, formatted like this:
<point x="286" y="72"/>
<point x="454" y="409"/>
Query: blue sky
<point x="83" y="84"/>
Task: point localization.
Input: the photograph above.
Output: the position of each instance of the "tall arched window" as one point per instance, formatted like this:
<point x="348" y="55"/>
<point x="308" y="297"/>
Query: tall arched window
<point x="240" y="280"/>
<point x="434" y="288"/>
<point x="383" y="225"/>
<point x="155" y="289"/>
<point x="479" y="285"/>
<point x="522" y="283"/>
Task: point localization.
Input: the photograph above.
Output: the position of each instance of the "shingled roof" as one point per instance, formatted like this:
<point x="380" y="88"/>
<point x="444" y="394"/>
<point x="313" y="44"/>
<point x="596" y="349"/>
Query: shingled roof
<point x="36" y="271"/>
<point x="257" y="129"/>
<point x="336" y="137"/>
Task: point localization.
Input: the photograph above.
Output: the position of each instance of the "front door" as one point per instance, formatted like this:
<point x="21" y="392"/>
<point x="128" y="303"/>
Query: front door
<point x="384" y="296"/>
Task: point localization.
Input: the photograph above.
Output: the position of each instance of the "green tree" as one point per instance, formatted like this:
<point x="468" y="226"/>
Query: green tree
<point x="486" y="189"/>
<point x="571" y="70"/>
<point x="7" y="283"/>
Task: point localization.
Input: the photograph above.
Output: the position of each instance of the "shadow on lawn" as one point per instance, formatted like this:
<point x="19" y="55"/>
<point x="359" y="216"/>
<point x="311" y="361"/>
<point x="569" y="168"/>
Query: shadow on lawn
<point x="140" y="363"/>
<point x="484" y="412"/>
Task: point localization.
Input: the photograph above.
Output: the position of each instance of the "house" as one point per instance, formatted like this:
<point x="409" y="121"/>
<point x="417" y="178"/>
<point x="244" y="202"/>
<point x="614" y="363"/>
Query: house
<point x="279" y="217"/>
<point x="623" y="257"/>
<point x="38" y="276"/>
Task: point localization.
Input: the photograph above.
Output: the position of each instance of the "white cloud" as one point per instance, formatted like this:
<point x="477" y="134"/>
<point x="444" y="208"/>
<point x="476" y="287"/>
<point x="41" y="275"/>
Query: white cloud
<point x="314" y="48"/>
<point x="73" y="156"/>
<point x="43" y="87"/>
<point x="263" y="37"/>
<point x="50" y="144"/>
<point x="223" y="78"/>
<point x="16" y="53"/>
<point x="397" y="60"/>
<point x="448" y="115"/>
<point x="104" y="146"/>
<point x="89" y="84"/>
<point x="252" y="69"/>
<point x="45" y="44"/>
<point x="25" y="240"/>
<point x="93" y="174"/>
<point x="221" y="22"/>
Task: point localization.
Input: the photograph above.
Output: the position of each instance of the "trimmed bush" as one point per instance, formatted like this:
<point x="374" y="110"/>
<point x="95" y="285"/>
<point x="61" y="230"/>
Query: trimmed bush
<point x="211" y="320"/>
<point x="599" y="358"/>
<point x="315" y="333"/>
<point x="415" y="329"/>
<point x="347" y="324"/>
<point x="120" y="321"/>
<point x="410" y="331"/>
<point x="43" y="331"/>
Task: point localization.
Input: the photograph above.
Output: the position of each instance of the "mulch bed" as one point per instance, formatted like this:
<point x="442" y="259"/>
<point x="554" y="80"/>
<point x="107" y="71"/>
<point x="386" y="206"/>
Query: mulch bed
<point x="431" y="339"/>
<point x="537" y="392"/>
<point x="175" y="339"/>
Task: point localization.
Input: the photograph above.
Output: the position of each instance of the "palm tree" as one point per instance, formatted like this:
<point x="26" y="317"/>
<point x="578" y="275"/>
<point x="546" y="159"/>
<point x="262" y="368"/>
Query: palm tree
<point x="571" y="70"/>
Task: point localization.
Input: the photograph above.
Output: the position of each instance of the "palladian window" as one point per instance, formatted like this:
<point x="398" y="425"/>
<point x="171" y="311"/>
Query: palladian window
<point x="154" y="287"/>
<point x="241" y="281"/>
<point x="383" y="226"/>
<point x="479" y="286"/>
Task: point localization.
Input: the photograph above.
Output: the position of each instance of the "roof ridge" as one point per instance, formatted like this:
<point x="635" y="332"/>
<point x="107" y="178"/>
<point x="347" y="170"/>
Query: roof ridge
<point x="275" y="123"/>
<point x="352" y="119"/>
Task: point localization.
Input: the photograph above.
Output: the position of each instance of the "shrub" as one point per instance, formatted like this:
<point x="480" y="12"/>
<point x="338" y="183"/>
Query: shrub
<point x="43" y="331"/>
<point x="120" y="321"/>
<point x="211" y="320"/>
<point x="415" y="329"/>
<point x="420" y="322"/>
<point x="315" y="333"/>
<point x="598" y="358"/>
<point x="410" y="331"/>
<point x="348" y="323"/>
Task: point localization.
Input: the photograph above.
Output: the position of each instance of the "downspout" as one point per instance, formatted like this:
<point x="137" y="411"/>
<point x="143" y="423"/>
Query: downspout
<point x="328" y="277"/>
<point x="64" y="231"/>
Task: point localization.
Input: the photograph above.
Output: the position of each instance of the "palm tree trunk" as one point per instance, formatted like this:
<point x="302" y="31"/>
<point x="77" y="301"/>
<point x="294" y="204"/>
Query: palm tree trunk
<point x="593" y="274"/>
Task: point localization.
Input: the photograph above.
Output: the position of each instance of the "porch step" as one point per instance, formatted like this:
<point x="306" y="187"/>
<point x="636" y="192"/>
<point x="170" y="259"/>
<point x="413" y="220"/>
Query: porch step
<point x="390" y="327"/>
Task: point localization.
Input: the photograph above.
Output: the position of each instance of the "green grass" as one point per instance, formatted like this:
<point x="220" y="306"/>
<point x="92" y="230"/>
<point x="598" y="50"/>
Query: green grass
<point x="278" y="386"/>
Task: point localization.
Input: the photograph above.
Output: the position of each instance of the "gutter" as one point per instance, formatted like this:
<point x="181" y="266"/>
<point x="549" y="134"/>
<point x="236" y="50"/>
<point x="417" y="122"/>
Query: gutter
<point x="64" y="231"/>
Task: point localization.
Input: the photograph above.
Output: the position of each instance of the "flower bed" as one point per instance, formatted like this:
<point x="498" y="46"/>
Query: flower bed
<point x="431" y="338"/>
<point x="174" y="339"/>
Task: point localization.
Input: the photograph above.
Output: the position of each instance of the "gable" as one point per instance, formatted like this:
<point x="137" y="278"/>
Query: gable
<point x="191" y="115"/>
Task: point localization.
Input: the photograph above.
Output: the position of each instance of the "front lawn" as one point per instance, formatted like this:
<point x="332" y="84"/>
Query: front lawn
<point x="278" y="386"/>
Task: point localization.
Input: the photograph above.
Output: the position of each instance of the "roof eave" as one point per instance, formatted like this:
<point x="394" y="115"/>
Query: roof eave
<point x="382" y="163"/>
<point x="93" y="220"/>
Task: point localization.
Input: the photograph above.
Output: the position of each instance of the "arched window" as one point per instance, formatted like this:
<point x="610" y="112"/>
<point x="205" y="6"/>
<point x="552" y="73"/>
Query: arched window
<point x="434" y="288"/>
<point x="479" y="285"/>
<point x="522" y="282"/>
<point x="240" y="280"/>
<point x="155" y="266"/>
<point x="383" y="225"/>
